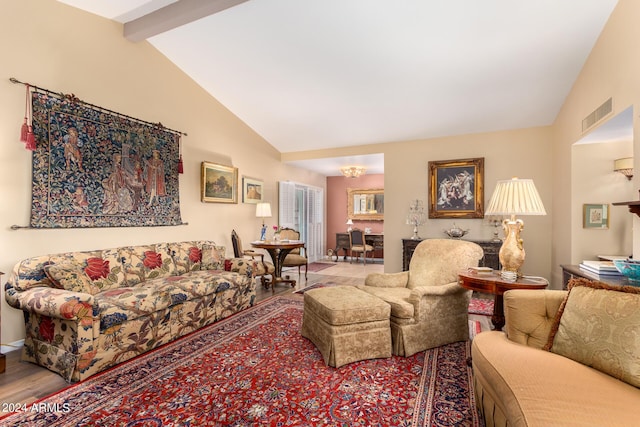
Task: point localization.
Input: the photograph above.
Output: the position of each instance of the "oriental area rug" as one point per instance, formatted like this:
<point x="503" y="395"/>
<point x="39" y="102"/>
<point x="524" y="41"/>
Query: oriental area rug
<point x="255" y="369"/>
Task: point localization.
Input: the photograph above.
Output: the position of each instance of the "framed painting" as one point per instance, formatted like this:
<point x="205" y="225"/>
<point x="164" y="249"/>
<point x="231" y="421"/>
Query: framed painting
<point x="456" y="188"/>
<point x="595" y="216"/>
<point x="252" y="190"/>
<point x="219" y="183"/>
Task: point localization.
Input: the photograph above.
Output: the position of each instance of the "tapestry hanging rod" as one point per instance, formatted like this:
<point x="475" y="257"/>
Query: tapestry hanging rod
<point x="73" y="98"/>
<point x="28" y="227"/>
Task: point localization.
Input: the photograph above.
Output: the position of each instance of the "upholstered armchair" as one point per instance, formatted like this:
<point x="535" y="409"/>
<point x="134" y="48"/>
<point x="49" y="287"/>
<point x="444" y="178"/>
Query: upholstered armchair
<point x="428" y="307"/>
<point x="297" y="257"/>
<point x="262" y="267"/>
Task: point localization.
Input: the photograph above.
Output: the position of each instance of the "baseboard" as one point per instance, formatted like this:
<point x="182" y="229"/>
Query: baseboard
<point x="6" y="348"/>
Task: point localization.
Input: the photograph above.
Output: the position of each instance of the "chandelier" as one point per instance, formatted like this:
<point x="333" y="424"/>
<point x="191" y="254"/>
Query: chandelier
<point x="352" y="171"/>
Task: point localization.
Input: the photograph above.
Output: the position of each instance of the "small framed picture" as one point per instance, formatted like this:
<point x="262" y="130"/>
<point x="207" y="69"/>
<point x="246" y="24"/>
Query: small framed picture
<point x="595" y="216"/>
<point x="219" y="183"/>
<point x="456" y="188"/>
<point x="252" y="190"/>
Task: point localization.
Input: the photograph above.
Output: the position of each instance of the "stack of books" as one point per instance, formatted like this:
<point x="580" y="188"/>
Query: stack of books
<point x="603" y="268"/>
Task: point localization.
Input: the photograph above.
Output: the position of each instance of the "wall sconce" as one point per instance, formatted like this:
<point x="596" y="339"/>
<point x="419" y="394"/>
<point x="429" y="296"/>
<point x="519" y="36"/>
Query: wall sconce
<point x="624" y="166"/>
<point x="352" y="171"/>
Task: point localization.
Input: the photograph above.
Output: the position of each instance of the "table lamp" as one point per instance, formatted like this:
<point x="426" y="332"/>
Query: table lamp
<point x="349" y="224"/>
<point x="514" y="197"/>
<point x="263" y="210"/>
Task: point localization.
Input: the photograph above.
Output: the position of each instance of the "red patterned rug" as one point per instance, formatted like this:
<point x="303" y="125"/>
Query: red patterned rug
<point x="318" y="266"/>
<point x="254" y="368"/>
<point x="481" y="306"/>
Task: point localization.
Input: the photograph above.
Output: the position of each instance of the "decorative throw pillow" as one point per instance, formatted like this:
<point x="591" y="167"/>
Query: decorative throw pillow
<point x="598" y="325"/>
<point x="70" y="277"/>
<point x="213" y="257"/>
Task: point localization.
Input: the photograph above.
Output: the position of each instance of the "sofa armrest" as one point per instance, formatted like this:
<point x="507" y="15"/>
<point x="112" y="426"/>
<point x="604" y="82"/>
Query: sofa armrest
<point x="387" y="280"/>
<point x="53" y="302"/>
<point x="242" y="266"/>
<point x="530" y="314"/>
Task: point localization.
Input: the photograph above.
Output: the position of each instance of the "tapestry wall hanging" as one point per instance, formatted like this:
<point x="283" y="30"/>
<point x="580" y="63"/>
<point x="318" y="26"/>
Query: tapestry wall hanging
<point x="96" y="168"/>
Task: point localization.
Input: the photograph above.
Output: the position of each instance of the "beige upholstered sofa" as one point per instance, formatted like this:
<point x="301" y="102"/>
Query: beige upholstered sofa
<point x="428" y="306"/>
<point x="591" y="374"/>
<point x="87" y="311"/>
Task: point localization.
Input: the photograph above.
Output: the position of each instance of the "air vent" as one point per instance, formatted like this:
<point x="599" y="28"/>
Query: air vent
<point x="598" y="114"/>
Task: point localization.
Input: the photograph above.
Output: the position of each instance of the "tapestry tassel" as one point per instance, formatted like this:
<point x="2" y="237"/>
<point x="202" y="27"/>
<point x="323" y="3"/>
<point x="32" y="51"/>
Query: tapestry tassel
<point x="180" y="165"/>
<point x="23" y="131"/>
<point x="31" y="139"/>
<point x="25" y="127"/>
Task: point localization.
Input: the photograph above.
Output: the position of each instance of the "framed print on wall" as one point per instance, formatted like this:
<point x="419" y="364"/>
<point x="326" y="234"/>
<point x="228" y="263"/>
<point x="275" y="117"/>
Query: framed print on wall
<point x="252" y="190"/>
<point x="595" y="216"/>
<point x="456" y="188"/>
<point x="219" y="183"/>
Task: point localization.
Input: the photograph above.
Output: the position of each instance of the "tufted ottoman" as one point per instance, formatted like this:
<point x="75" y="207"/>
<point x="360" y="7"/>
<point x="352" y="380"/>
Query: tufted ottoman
<point x="346" y="324"/>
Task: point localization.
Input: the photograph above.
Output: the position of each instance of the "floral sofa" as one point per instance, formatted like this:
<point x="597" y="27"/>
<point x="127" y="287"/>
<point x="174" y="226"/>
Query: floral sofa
<point x="87" y="311"/>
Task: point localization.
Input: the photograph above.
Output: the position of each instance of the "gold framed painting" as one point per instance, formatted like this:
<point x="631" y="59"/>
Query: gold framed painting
<point x="252" y="190"/>
<point x="456" y="188"/>
<point x="595" y="216"/>
<point x="219" y="183"/>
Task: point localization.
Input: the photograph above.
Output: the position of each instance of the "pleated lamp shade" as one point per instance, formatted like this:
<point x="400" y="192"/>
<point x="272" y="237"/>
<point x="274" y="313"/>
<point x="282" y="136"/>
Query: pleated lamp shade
<point x="515" y="197"/>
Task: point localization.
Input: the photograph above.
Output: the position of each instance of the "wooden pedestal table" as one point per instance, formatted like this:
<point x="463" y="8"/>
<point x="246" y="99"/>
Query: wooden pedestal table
<point x="278" y="251"/>
<point x="493" y="283"/>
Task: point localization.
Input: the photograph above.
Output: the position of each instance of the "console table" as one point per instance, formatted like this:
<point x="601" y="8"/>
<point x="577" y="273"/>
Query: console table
<point x="490" y="248"/>
<point x="571" y="271"/>
<point x="342" y="242"/>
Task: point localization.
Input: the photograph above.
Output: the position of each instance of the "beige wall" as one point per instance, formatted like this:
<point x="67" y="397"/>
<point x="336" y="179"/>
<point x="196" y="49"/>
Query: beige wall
<point x="594" y="181"/>
<point x="611" y="70"/>
<point x="524" y="153"/>
<point x="60" y="48"/>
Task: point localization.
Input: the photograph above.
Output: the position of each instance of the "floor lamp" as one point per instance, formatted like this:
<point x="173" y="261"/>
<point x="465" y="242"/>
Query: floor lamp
<point x="514" y="197"/>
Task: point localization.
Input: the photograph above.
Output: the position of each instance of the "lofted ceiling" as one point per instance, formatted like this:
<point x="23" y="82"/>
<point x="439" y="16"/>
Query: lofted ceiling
<point x="317" y="74"/>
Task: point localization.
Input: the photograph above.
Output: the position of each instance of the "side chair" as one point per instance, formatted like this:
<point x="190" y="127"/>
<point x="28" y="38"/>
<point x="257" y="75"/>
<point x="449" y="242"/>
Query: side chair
<point x="358" y="245"/>
<point x="262" y="267"/>
<point x="298" y="256"/>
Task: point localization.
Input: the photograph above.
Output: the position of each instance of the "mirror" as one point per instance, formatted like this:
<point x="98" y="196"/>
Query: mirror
<point x="365" y="204"/>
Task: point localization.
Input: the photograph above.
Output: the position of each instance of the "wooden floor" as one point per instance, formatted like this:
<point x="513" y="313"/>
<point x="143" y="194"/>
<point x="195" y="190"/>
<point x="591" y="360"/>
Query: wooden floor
<point x="25" y="382"/>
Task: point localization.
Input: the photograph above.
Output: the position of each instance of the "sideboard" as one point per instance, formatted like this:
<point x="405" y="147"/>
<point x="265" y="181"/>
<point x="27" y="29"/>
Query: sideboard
<point x="490" y="248"/>
<point x="342" y="242"/>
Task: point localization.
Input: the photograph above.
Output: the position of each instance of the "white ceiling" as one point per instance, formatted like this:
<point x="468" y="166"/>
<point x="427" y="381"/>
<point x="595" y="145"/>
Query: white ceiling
<point x="309" y="75"/>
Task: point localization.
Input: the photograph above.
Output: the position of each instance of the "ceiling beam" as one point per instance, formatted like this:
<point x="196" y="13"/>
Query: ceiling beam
<point x="172" y="16"/>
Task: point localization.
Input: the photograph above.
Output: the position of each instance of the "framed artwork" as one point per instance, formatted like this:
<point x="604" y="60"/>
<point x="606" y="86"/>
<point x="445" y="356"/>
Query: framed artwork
<point x="456" y="188"/>
<point x="252" y="190"/>
<point x="219" y="183"/>
<point x="595" y="216"/>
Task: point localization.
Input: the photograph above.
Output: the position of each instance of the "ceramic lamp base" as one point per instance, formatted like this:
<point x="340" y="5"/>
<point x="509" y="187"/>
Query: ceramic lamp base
<point x="512" y="251"/>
